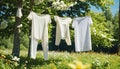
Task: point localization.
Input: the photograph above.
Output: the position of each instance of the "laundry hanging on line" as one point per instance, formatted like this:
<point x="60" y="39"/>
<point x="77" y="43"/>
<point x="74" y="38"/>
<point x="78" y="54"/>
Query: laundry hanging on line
<point x="82" y="33"/>
<point x="62" y="30"/>
<point x="39" y="32"/>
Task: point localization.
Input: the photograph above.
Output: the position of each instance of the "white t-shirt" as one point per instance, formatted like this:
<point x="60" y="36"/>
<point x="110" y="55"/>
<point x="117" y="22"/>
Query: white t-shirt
<point x="82" y="33"/>
<point x="39" y="23"/>
<point x="62" y="29"/>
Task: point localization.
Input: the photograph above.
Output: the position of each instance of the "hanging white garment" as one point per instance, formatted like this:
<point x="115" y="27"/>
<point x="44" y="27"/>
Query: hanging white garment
<point x="19" y="12"/>
<point x="39" y="32"/>
<point x="82" y="33"/>
<point x="62" y="30"/>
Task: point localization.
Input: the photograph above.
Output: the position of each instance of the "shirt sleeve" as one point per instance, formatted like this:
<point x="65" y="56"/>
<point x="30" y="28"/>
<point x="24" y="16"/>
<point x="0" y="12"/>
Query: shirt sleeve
<point x="55" y="18"/>
<point x="90" y="20"/>
<point x="74" y="22"/>
<point x="30" y="16"/>
<point x="70" y="20"/>
<point x="49" y="19"/>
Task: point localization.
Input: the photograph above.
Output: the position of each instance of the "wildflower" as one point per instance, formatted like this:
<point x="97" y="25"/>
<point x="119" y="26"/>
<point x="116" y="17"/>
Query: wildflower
<point x="26" y="61"/>
<point x="55" y="68"/>
<point x="54" y="4"/>
<point x="71" y="5"/>
<point x="72" y="66"/>
<point x="16" y="64"/>
<point x="79" y="65"/>
<point x="62" y="2"/>
<point x="3" y="56"/>
<point x="8" y="61"/>
<point x="59" y="5"/>
<point x="96" y="63"/>
<point x="15" y="58"/>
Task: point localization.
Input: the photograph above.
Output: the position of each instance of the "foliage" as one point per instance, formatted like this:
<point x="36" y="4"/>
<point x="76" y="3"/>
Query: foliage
<point x="101" y="31"/>
<point x="74" y="8"/>
<point x="116" y="26"/>
<point x="7" y="43"/>
<point x="7" y="13"/>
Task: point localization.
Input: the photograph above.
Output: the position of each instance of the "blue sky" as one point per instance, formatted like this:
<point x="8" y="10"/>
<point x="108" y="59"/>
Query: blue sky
<point x="114" y="8"/>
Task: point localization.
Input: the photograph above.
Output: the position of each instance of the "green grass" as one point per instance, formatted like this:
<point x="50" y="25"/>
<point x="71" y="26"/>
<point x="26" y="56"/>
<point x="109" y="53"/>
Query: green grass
<point x="60" y="60"/>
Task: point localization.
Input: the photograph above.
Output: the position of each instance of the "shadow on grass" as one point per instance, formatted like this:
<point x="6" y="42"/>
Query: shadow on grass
<point x="29" y="63"/>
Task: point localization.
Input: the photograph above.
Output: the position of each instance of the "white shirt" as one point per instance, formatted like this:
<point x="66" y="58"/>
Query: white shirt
<point x="82" y="34"/>
<point x="62" y="29"/>
<point x="39" y="23"/>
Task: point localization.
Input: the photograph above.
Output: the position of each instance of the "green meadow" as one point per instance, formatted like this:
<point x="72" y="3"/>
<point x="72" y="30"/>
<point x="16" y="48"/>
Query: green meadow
<point x="60" y="60"/>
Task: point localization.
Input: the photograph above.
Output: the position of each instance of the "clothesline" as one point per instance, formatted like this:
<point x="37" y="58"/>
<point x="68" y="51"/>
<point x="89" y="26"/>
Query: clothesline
<point x="39" y="31"/>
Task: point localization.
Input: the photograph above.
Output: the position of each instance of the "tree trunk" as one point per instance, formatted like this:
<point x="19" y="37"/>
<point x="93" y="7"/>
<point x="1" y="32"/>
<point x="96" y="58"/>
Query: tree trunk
<point x="16" y="42"/>
<point x="29" y="50"/>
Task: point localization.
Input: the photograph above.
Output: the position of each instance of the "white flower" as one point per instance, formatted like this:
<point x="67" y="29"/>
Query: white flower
<point x="62" y="2"/>
<point x="57" y="3"/>
<point x="75" y="2"/>
<point x="19" y="26"/>
<point x="103" y="35"/>
<point x="54" y="4"/>
<point x="26" y="61"/>
<point x="58" y="8"/>
<point x="71" y="5"/>
<point x="15" y="58"/>
<point x="111" y="39"/>
<point x="60" y="5"/>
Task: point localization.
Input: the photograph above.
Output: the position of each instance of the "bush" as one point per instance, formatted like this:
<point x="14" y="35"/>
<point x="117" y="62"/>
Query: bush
<point x="102" y="37"/>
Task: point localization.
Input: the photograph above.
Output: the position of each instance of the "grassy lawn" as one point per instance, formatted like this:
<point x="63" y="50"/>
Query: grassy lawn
<point x="60" y="60"/>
